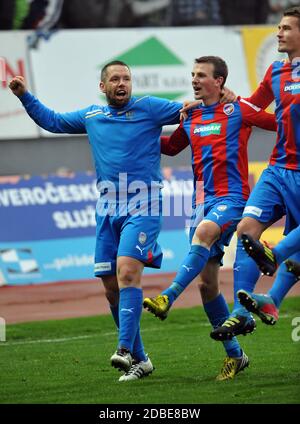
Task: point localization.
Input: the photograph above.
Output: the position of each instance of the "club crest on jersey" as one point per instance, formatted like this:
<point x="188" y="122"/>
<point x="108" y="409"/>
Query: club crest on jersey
<point x="292" y="87"/>
<point x="208" y="129"/>
<point x="129" y="114"/>
<point x="142" y="238"/>
<point x="228" y="109"/>
<point x="222" y="208"/>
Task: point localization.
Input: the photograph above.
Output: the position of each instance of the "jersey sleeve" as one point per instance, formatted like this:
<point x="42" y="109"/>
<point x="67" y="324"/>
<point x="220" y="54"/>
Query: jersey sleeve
<point x="263" y="95"/>
<point x="71" y="122"/>
<point x="253" y="115"/>
<point x="164" y="111"/>
<point x="174" y="144"/>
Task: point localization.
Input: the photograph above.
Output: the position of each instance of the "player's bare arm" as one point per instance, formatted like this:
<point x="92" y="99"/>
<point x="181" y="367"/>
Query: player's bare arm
<point x="18" y="86"/>
<point x="187" y="105"/>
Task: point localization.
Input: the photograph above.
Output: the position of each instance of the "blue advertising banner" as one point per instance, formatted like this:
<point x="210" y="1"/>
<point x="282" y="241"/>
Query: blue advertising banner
<point x="47" y="226"/>
<point x="40" y="208"/>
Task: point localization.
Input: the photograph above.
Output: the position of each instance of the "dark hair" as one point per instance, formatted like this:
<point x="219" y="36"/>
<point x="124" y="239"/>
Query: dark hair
<point x="293" y="11"/>
<point x="112" y="63"/>
<point x="220" y="66"/>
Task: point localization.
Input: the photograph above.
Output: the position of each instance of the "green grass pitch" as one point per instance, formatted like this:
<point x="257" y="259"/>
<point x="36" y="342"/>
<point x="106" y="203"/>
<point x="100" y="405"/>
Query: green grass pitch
<point x="68" y="362"/>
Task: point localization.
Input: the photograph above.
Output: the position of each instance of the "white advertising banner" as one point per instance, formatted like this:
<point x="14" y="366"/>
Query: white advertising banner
<point x="14" y="122"/>
<point x="66" y="67"/>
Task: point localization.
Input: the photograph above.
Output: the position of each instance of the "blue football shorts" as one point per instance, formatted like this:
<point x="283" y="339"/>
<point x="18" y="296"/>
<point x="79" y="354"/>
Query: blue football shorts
<point x="277" y="193"/>
<point x="226" y="212"/>
<point x="126" y="235"/>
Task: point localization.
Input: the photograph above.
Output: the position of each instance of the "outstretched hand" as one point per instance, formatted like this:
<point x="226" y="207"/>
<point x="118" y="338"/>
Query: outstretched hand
<point x="188" y="105"/>
<point x="18" y="86"/>
<point x="228" y="96"/>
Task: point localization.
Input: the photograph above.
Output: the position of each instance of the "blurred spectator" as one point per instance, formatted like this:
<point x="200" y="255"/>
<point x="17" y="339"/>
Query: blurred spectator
<point x="112" y="13"/>
<point x="243" y="12"/>
<point x="195" y="12"/>
<point x="151" y="12"/>
<point x="40" y="15"/>
<point x="277" y="7"/>
<point x="43" y="14"/>
<point x="88" y="13"/>
<point x="7" y="11"/>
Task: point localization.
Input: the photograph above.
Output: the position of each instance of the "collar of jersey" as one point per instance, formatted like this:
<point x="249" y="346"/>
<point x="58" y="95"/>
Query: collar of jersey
<point x="120" y="110"/>
<point x="209" y="107"/>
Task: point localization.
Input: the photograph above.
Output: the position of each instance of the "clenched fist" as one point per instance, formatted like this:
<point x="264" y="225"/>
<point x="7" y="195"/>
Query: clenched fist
<point x="17" y="86"/>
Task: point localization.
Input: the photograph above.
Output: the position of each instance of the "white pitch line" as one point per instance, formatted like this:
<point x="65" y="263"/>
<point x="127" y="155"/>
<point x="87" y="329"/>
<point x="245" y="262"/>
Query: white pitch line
<point x="61" y="340"/>
<point x="89" y="336"/>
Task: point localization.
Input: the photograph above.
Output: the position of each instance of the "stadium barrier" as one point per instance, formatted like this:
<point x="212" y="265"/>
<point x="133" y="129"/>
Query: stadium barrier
<point x="49" y="230"/>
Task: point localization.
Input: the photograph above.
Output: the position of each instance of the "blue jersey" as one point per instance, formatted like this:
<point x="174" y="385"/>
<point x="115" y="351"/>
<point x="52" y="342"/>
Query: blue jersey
<point x="124" y="140"/>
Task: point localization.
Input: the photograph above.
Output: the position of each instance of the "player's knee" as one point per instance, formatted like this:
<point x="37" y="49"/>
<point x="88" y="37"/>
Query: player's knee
<point x="250" y="227"/>
<point x="206" y="234"/>
<point x="241" y="228"/>
<point x="128" y="274"/>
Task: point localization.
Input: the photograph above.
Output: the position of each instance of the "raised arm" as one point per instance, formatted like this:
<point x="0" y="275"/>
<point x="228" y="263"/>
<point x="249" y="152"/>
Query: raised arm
<point x="174" y="144"/>
<point x="253" y="115"/>
<point x="72" y="122"/>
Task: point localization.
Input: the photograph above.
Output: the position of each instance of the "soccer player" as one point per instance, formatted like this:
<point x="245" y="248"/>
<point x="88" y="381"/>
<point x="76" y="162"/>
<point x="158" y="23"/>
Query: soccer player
<point x="218" y="134"/>
<point x="125" y="142"/>
<point x="268" y="260"/>
<point x="277" y="191"/>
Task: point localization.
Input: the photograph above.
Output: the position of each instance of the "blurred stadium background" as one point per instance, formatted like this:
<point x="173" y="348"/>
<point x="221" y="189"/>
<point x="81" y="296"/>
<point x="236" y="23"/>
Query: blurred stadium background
<point x="48" y="195"/>
<point x="47" y="191"/>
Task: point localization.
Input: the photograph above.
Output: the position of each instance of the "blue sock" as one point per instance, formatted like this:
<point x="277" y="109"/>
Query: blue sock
<point x="217" y="311"/>
<point x="288" y="246"/>
<point x="130" y="309"/>
<point x="284" y="281"/>
<point x="245" y="276"/>
<point x="189" y="269"/>
<point x="138" y="347"/>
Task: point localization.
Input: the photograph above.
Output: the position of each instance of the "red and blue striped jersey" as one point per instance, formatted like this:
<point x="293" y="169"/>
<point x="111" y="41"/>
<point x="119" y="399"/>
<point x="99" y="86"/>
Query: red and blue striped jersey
<point x="218" y="136"/>
<point x="282" y="84"/>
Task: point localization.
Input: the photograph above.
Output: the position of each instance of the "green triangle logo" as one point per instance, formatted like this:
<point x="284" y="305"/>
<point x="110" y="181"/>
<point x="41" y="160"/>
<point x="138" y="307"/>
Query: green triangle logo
<point x="150" y="52"/>
<point x="149" y="62"/>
